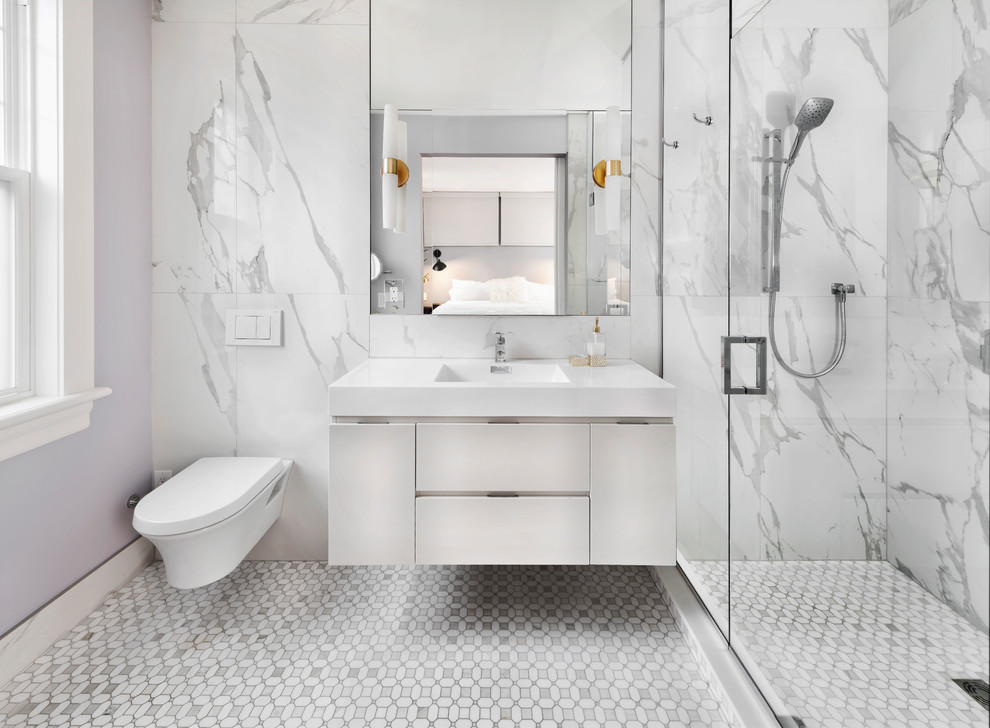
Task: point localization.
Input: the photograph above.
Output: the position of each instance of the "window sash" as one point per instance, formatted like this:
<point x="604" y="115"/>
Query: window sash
<point x="16" y="338"/>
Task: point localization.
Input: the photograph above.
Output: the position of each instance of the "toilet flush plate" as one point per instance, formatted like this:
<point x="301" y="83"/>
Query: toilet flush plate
<point x="253" y="327"/>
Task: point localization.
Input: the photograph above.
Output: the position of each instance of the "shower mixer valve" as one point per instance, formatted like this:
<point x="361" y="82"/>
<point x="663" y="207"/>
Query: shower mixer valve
<point x="843" y="288"/>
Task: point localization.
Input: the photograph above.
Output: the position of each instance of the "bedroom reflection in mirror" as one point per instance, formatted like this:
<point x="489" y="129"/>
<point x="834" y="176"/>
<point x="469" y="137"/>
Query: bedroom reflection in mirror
<point x="496" y="220"/>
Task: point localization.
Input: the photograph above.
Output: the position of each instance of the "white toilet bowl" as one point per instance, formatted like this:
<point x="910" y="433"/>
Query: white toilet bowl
<point x="206" y="519"/>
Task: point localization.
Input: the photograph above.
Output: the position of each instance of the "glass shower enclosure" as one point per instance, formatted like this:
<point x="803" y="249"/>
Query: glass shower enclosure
<point x="835" y="526"/>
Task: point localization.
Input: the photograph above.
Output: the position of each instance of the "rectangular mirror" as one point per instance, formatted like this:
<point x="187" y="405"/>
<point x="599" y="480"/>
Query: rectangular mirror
<point x="502" y="106"/>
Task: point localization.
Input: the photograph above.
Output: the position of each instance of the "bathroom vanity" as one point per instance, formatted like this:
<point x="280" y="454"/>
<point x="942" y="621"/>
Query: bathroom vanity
<point x="446" y="462"/>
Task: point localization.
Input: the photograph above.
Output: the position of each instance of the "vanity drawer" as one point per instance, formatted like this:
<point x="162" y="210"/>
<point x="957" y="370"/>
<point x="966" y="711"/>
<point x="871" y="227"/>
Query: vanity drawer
<point x="499" y="530"/>
<point x="497" y="458"/>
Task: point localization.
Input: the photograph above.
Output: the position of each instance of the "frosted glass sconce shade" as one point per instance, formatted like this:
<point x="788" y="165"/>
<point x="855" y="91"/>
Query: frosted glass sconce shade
<point x="395" y="172"/>
<point x="608" y="176"/>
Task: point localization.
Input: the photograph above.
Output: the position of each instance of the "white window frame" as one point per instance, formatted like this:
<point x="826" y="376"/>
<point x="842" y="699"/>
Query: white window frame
<point x="62" y="389"/>
<point x="16" y="144"/>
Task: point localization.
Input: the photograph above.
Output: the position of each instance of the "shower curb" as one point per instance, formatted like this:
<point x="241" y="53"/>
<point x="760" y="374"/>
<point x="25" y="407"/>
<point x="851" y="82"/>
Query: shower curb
<point x="742" y="702"/>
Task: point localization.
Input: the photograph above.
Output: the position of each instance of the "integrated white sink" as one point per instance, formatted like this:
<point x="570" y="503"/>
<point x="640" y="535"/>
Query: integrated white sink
<point x="509" y="373"/>
<point x="469" y="388"/>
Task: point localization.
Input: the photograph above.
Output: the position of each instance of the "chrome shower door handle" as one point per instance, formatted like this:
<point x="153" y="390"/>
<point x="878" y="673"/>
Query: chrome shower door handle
<point x="761" y="364"/>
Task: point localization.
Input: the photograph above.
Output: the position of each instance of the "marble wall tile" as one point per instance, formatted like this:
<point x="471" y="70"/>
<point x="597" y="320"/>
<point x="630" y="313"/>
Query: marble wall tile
<point x="261" y="187"/>
<point x="193" y="157"/>
<point x="303" y="193"/>
<point x="194" y="380"/>
<point x="939" y="300"/>
<point x="644" y="331"/>
<point x="835" y="210"/>
<point x="527" y="337"/>
<point x="822" y="442"/>
<point x="327" y="12"/>
<point x="695" y="193"/>
<point x="939" y="151"/>
<point x="831" y="14"/>
<point x="938" y="440"/>
<point x="744" y="11"/>
<point x="807" y="461"/>
<point x="644" y="204"/>
<point x="692" y="328"/>
<point x="192" y="11"/>
<point x="282" y="407"/>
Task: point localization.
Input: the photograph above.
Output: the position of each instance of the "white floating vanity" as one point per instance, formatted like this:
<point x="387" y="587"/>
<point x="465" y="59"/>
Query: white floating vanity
<point x="447" y="462"/>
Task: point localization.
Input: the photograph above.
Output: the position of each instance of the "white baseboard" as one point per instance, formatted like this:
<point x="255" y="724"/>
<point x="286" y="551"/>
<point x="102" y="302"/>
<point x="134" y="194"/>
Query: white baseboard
<point x="738" y="694"/>
<point x="35" y="635"/>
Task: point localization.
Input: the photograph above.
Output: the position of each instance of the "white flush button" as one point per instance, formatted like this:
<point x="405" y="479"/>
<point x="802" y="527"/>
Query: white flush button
<point x="245" y="327"/>
<point x="253" y="327"/>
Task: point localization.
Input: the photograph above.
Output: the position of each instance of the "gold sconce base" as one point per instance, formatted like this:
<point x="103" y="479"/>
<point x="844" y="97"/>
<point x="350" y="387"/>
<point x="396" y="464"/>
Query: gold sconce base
<point x="609" y="168"/>
<point x="396" y="167"/>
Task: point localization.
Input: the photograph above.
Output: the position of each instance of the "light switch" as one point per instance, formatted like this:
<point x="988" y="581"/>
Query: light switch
<point x="245" y="327"/>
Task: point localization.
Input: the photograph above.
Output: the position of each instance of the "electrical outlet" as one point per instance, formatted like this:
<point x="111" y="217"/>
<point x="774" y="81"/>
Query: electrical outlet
<point x="160" y="477"/>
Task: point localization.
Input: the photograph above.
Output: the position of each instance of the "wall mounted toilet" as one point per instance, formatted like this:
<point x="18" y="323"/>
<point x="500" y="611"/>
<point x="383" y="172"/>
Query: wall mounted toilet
<point x="206" y="519"/>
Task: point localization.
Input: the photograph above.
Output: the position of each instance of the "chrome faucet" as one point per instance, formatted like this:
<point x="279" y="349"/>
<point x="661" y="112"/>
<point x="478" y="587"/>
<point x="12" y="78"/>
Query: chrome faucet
<point x="499" y="347"/>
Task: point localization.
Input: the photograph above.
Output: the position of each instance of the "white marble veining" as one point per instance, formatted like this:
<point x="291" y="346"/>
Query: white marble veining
<point x="695" y="193"/>
<point x="193" y="379"/>
<point x="193" y="11"/>
<point x="248" y="213"/>
<point x="193" y="157"/>
<point x="938" y="442"/>
<point x="939" y="307"/>
<point x="808" y="452"/>
<point x="939" y="148"/>
<point x="290" y="90"/>
<point x="328" y="12"/>
<point x="281" y="407"/>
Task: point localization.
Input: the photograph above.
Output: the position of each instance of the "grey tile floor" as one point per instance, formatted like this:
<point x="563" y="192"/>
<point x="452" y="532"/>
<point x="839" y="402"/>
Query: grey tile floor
<point x="852" y="643"/>
<point x="301" y="644"/>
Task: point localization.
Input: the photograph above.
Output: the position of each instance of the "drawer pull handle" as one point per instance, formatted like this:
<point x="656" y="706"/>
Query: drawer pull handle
<point x="503" y="495"/>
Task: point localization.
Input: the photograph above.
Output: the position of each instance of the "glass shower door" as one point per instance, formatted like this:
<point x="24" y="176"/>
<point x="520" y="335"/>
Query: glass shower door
<point x="857" y="577"/>
<point x="695" y="284"/>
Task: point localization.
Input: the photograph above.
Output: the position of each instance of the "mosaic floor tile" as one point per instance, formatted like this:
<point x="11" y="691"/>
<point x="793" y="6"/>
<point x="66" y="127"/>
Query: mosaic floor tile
<point x="300" y="645"/>
<point x="852" y="643"/>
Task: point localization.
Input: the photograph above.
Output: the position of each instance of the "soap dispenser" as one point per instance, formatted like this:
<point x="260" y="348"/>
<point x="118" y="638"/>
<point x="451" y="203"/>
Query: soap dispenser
<point x="596" y="347"/>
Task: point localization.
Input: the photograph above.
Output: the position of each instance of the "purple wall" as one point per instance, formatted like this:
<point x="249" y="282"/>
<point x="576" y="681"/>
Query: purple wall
<point x="62" y="506"/>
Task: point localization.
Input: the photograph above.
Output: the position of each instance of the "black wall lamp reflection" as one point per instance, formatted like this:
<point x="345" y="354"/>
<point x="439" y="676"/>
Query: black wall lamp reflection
<point x="439" y="265"/>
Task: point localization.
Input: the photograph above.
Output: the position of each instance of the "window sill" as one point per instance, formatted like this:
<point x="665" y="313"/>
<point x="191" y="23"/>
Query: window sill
<point x="37" y="421"/>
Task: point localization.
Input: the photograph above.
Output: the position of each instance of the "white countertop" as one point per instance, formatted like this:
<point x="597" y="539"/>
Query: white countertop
<point x="408" y="388"/>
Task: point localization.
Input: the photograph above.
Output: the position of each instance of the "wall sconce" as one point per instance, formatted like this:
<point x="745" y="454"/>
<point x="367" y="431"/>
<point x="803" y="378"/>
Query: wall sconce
<point x="439" y="265"/>
<point x="395" y="171"/>
<point x="608" y="176"/>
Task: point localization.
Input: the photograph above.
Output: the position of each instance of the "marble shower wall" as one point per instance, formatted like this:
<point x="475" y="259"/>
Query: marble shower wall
<point x="259" y="107"/>
<point x="807" y="462"/>
<point x="938" y="399"/>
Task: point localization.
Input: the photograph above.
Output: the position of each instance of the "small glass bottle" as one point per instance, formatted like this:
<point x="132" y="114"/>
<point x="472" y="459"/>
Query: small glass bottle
<point x="596" y="347"/>
<point x="579" y="351"/>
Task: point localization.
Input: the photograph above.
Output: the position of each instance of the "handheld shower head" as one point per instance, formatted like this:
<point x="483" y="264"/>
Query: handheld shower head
<point x="811" y="116"/>
<point x="813" y="113"/>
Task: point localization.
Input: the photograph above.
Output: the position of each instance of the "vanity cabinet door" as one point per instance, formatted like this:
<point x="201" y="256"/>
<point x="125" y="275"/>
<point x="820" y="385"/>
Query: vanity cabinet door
<point x="633" y="495"/>
<point x="479" y="457"/>
<point x="372" y="505"/>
